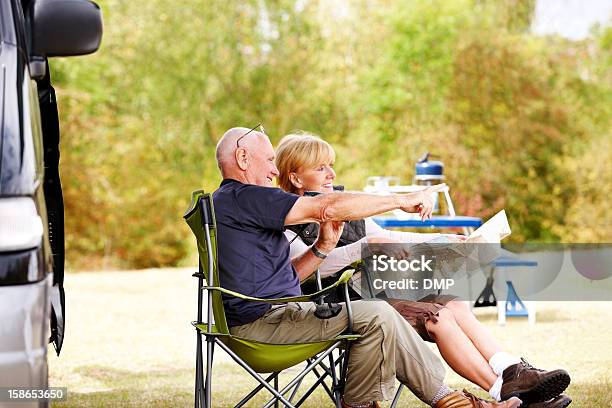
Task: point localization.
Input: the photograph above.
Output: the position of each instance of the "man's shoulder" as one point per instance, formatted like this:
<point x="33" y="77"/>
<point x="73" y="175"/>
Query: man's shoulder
<point x="230" y="187"/>
<point x="250" y="194"/>
<point x="238" y="188"/>
<point x="252" y="205"/>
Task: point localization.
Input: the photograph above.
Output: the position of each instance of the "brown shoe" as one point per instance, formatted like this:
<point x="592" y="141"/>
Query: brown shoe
<point x="373" y="404"/>
<point x="532" y="384"/>
<point x="561" y="401"/>
<point x="465" y="399"/>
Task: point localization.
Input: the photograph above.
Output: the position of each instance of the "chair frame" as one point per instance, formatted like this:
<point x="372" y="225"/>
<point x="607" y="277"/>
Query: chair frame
<point x="203" y="380"/>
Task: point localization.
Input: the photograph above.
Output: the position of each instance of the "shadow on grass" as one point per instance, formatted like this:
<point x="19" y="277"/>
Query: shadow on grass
<point x="158" y="388"/>
<point x="169" y="388"/>
<point x="112" y="377"/>
<point x="174" y="388"/>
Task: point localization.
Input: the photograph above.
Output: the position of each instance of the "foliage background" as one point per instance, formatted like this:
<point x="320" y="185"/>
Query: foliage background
<point x="522" y="122"/>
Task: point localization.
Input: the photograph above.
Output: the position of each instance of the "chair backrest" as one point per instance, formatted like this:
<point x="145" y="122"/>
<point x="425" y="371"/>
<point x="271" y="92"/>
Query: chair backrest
<point x="200" y="216"/>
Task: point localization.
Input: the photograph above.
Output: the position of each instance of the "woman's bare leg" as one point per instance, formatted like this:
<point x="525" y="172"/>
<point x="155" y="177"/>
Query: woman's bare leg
<point x="459" y="351"/>
<point x="484" y="342"/>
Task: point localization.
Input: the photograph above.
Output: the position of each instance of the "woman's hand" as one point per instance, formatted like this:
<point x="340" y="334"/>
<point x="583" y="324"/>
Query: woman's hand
<point x="380" y="240"/>
<point x="455" y="238"/>
<point x="389" y="247"/>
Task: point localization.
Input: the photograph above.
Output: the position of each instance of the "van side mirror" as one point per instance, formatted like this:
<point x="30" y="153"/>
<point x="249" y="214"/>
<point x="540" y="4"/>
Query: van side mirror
<point x="62" y="28"/>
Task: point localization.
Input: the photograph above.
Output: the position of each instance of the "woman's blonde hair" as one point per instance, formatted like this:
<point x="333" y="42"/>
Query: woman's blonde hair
<point x="300" y="150"/>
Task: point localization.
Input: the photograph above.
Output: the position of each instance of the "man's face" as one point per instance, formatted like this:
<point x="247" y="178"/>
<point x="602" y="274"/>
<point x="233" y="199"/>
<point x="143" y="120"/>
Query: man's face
<point x="262" y="169"/>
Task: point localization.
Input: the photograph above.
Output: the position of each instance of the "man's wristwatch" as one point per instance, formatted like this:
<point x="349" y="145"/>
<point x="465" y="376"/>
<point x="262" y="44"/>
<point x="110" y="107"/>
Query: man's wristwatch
<point x="318" y="253"/>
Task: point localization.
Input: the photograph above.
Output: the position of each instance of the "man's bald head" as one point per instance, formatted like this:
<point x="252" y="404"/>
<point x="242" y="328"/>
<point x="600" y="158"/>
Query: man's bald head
<point x="251" y="162"/>
<point x="226" y="147"/>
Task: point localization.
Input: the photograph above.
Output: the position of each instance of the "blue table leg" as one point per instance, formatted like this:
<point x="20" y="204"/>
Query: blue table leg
<point x="514" y="305"/>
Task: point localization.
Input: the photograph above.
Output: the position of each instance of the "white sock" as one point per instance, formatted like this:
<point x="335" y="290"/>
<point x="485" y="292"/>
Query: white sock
<point x="502" y="360"/>
<point x="495" y="391"/>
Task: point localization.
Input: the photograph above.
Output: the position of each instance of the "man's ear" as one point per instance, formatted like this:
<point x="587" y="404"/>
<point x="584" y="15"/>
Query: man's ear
<point x="295" y="180"/>
<point x="242" y="158"/>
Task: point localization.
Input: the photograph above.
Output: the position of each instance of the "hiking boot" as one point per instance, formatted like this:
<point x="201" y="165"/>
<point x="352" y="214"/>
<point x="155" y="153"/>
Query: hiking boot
<point x="531" y="384"/>
<point x="465" y="399"/>
<point x="561" y="401"/>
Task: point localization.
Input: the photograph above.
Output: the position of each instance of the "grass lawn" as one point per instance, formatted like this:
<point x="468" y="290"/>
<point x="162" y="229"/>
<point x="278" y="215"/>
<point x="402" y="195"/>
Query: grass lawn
<point x="129" y="342"/>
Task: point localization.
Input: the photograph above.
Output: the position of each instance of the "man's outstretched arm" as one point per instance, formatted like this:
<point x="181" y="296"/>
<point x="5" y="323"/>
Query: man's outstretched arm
<point x="356" y="206"/>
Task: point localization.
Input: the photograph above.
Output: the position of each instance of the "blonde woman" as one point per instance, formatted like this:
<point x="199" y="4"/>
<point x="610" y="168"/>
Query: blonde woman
<point x="305" y="163"/>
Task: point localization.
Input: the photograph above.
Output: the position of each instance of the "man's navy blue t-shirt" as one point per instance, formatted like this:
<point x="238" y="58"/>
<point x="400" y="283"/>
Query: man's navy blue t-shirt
<point x="253" y="251"/>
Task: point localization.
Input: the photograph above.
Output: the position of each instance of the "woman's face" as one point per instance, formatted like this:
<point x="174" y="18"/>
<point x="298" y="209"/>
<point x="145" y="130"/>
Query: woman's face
<point x="319" y="179"/>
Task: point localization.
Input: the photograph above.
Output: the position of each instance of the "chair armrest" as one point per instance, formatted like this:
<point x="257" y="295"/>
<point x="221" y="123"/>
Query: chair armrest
<point x="344" y="278"/>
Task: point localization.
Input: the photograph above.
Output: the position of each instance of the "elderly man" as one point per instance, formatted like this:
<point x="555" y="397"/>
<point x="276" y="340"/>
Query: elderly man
<point x="254" y="260"/>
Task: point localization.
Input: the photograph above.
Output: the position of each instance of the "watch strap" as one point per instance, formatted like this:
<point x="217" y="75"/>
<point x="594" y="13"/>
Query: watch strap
<point x="318" y="253"/>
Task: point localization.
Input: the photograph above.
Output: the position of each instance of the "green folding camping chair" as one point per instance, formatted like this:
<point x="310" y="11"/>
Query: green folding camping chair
<point x="254" y="356"/>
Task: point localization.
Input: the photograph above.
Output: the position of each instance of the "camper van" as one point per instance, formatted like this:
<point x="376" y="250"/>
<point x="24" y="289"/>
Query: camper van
<point x="32" y="309"/>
